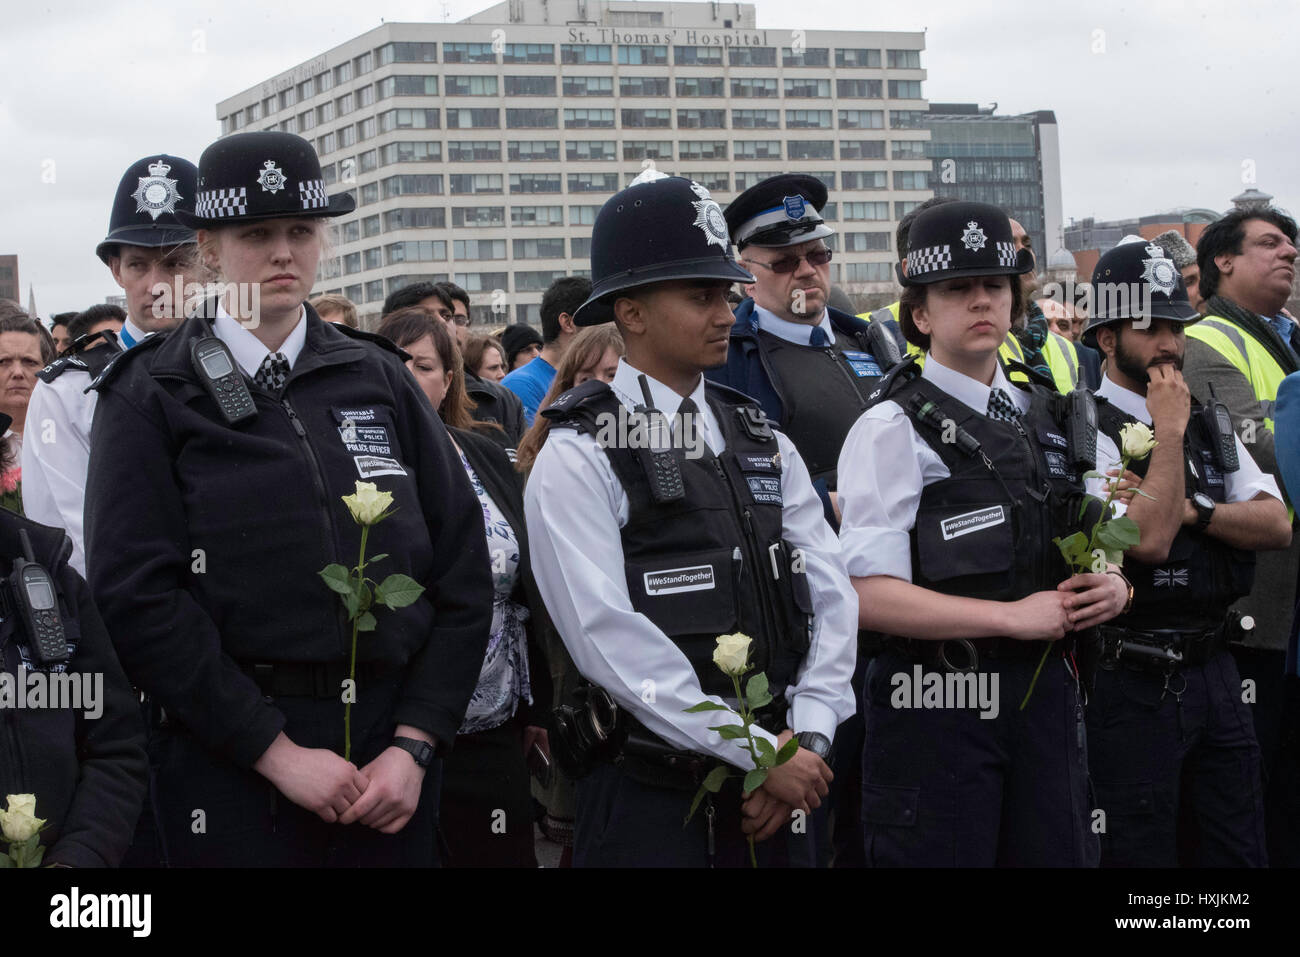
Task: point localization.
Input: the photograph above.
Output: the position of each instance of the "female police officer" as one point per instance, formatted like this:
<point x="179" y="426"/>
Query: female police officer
<point x="214" y="500"/>
<point x="952" y="491"/>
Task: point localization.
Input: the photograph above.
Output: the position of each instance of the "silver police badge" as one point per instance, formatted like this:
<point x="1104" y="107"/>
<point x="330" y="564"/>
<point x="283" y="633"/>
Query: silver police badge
<point x="708" y="216"/>
<point x="974" y="238"/>
<point x="156" y="194"/>
<point x="1159" y="271"/>
<point x="271" y="178"/>
<point x="701" y="191"/>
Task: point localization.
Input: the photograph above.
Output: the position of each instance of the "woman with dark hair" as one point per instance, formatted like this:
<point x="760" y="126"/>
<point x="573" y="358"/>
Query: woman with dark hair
<point x="953" y="487"/>
<point x="486" y="357"/>
<point x="503" y="731"/>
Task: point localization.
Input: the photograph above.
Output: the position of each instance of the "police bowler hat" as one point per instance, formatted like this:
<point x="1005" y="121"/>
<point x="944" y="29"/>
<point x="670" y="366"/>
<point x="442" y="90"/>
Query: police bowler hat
<point x="666" y="228"/>
<point x="268" y="175"/>
<point x="962" y="239"/>
<point x="1136" y="280"/>
<point x="150" y="198"/>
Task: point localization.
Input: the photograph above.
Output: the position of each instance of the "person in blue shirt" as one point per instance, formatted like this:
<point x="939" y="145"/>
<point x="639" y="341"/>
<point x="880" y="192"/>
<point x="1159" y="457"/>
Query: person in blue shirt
<point x="559" y="303"/>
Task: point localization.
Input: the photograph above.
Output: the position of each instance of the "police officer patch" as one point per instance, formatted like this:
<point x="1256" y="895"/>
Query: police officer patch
<point x="973" y="238"/>
<point x="708" y="216"/>
<point x="156" y="194"/>
<point x="863" y="364"/>
<point x="1159" y="271"/>
<point x="794" y="206"/>
<point x="271" y="178"/>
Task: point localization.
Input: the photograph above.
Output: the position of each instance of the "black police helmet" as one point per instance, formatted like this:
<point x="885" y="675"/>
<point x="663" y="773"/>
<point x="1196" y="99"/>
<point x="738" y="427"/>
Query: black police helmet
<point x="962" y="239"/>
<point x="1136" y="280"/>
<point x="152" y="194"/>
<point x="780" y="211"/>
<point x="268" y="175"/>
<point x="666" y="228"/>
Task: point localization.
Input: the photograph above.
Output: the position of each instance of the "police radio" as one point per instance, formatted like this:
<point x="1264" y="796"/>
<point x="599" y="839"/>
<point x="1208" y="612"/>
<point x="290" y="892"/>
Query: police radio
<point x="664" y="474"/>
<point x="37" y="607"/>
<point x="1081" y="429"/>
<point x="929" y="413"/>
<point x="883" y="346"/>
<point x="216" y="369"/>
<point x="1219" y="425"/>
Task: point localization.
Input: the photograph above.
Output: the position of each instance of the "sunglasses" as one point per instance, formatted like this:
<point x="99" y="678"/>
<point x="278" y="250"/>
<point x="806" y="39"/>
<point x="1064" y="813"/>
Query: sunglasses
<point x="788" y="264"/>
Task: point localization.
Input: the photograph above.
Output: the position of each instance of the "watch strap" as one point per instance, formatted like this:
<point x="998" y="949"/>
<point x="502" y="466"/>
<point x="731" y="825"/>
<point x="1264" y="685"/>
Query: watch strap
<point x="420" y="751"/>
<point x="816" y="742"/>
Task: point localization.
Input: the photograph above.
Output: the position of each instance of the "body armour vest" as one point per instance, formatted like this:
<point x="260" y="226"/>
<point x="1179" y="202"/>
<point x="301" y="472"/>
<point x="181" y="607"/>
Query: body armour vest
<point x="713" y="561"/>
<point x="823" y="391"/>
<point x="1202" y="576"/>
<point x="986" y="531"/>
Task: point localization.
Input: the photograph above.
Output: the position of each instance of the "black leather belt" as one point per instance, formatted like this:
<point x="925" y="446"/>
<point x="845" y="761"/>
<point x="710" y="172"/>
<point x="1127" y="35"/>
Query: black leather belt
<point x="1160" y="650"/>
<point x="306" y="679"/>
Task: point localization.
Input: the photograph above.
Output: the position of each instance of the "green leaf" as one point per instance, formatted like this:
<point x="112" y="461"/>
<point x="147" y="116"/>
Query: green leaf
<point x="36" y="856"/>
<point x="729" y="732"/>
<point x="705" y="706"/>
<point x="350" y="603"/>
<point x="695" y="802"/>
<point x="756" y="703"/>
<point x="1118" y="533"/>
<point x="754" y="780"/>
<point x="1146" y="495"/>
<point x="1093" y="473"/>
<point x="337" y="578"/>
<point x="366" y="622"/>
<point x="766" y="753"/>
<point x="755" y="688"/>
<point x="787" y="751"/>
<point x="6" y="861"/>
<point x="398" y="591"/>
<point x="713" y="782"/>
<point x="1074" y="549"/>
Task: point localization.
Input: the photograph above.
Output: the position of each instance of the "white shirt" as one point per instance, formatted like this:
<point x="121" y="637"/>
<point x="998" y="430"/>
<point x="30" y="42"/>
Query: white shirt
<point x="59" y="414"/>
<point x="797" y="332"/>
<point x="248" y="350"/>
<point x="884" y="466"/>
<point x="575" y="507"/>
<point x="1239" y="486"/>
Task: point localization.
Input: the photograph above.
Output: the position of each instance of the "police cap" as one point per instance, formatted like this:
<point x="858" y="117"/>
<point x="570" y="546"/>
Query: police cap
<point x="962" y="239"/>
<point x="151" y="194"/>
<point x="780" y="211"/>
<point x="1136" y="280"/>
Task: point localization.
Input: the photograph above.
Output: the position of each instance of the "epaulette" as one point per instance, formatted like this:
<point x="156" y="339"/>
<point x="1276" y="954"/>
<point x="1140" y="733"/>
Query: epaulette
<point x="84" y="356"/>
<point x="119" y="361"/>
<point x="381" y="341"/>
<point x="905" y="371"/>
<point x="564" y="405"/>
<point x="60" y="366"/>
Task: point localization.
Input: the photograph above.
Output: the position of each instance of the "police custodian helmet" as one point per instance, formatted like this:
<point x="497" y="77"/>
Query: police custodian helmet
<point x="262" y="175"/>
<point x="780" y="211"/>
<point x="962" y="239"/>
<point x="151" y="195"/>
<point x="1131" y="279"/>
<point x="656" y="229"/>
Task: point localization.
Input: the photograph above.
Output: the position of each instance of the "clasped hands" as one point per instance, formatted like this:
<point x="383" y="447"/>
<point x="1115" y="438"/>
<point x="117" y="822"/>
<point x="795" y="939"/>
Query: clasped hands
<point x="797" y="785"/>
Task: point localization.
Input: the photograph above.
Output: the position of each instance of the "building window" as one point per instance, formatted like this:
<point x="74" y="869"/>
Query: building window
<point x="697" y="56"/>
<point x="808" y="119"/>
<point x="745" y="180"/>
<point x="531" y="119"/>
<point x="907" y="119"/>
<point x="471" y="85"/>
<point x="326" y="112"/>
<point x="536" y="280"/>
<point x="717" y="181"/>
<point x="369" y="160"/>
<point x="327" y="143"/>
<point x="374" y="290"/>
<point x="647" y="118"/>
<point x="291" y="125"/>
<point x="756" y="119"/>
<point x="306" y="89"/>
<point x="815" y="56"/>
<point x="588" y="86"/>
<point x="643" y="55"/>
<point x="413" y="184"/>
<point x="482" y="281"/>
<point x="350" y="232"/>
<point x="584" y="53"/>
<point x="536" y="215"/>
<point x="408" y="120"/>
<point x="862" y="149"/>
<point x="647" y="149"/>
<point x="416" y="250"/>
<point x="475" y="183"/>
<point x="397" y="282"/>
<point x="910" y="179"/>
<point x="530" y="86"/>
<point x="534" y="182"/>
<point x="827" y="178"/>
<point x="478" y="215"/>
<point x="752" y="56"/>
<point x="329" y="173"/>
<point x="866" y="211"/>
<point x="489" y="119"/>
<point x="288" y="98"/>
<point x="529" y="150"/>
<point x="867" y="89"/>
<point x="342" y="73"/>
<point x="580" y="247"/>
<point x="909" y="149"/>
<point x="858" y="58"/>
<point x="700" y="86"/>
<point x="268" y="106"/>
<point x="365" y="96"/>
<point x="868" y="272"/>
<point x="407" y="86"/>
<point x="757" y="149"/>
<point x="866" y="242"/>
<point x="479" y="249"/>
<point x="548" y="248"/>
<point x="701" y="119"/>
<point x="369" y="194"/>
<point x="585" y="119"/>
<point x="904" y="89"/>
<point x="529" y="53"/>
<point x="422" y="151"/>
<point x="355" y="293"/>
<point x="862" y="119"/>
<point x="864" y="179"/>
<point x="351" y="263"/>
<point x="643" y="86"/>
<point x="366" y="128"/>
<point x="370" y="226"/>
<point x="810" y="149"/>
<point x="346" y="104"/>
<point x="702" y="150"/>
<point x="754" y="87"/>
<point x="307" y="120"/>
<point x="408" y="53"/>
<point x="254" y="112"/>
<point x="347" y="137"/>
<point x="415" y="217"/>
<point x="589" y="150"/>
<point x="474" y="151"/>
<point x="364" y="63"/>
<point x="798" y="86"/>
<point x="903" y="59"/>
<point x="583" y="215"/>
<point x="636" y="18"/>
<point x="468" y="53"/>
<point x="373" y="258"/>
<point x="593" y="182"/>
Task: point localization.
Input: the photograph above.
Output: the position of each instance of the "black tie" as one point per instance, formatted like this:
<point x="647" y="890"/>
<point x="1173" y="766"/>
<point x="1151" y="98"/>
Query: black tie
<point x="818" y="337"/>
<point x="1001" y="408"/>
<point x="273" y="372"/>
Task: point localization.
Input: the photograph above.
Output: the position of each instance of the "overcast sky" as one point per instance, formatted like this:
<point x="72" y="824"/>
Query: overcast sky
<point x="1161" y="103"/>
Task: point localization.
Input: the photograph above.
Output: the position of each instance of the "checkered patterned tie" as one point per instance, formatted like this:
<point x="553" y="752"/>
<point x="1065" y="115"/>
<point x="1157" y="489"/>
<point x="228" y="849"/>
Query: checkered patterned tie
<point x="818" y="337"/>
<point x="1001" y="408"/>
<point x="273" y="372"/>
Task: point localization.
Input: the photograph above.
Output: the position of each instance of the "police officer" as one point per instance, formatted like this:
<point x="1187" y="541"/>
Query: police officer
<point x="215" y="499"/>
<point x="1171" y="744"/>
<point x="953" y="487"/>
<point x="150" y="255"/>
<point x="724" y="505"/>
<point x="809" y="366"/>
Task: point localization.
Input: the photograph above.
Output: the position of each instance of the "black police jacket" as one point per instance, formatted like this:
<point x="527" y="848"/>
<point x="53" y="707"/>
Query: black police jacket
<point x="204" y="540"/>
<point x="89" y="774"/>
<point x="714" y="561"/>
<point x="1202" y="576"/>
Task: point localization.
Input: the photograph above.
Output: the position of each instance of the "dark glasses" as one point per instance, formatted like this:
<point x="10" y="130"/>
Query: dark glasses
<point x="788" y="264"/>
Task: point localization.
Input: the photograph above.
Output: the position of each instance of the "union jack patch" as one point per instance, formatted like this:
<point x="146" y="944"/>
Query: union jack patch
<point x="1169" y="577"/>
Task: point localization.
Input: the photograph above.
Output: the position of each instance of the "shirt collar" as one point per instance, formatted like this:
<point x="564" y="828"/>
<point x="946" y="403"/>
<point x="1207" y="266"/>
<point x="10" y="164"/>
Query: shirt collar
<point x="968" y="391"/>
<point x="797" y="332"/>
<point x="132" y="334"/>
<point x="627" y="386"/>
<point x="248" y="350"/>
<point x="1126" y="400"/>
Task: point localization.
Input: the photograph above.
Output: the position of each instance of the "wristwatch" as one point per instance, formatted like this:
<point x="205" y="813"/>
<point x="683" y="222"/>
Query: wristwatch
<point x="1204" y="506"/>
<point x="420" y="751"/>
<point x="1128" y="605"/>
<point x="816" y="742"/>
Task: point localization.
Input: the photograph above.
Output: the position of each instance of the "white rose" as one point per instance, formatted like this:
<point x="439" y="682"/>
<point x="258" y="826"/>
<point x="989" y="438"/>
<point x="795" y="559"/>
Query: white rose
<point x="1136" y="440"/>
<point x="732" y="653"/>
<point x="368" y="504"/>
<point x="20" y="822"/>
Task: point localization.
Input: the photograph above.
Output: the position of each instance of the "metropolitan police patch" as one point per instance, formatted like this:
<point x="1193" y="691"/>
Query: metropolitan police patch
<point x="1159" y="270"/>
<point x="156" y="194"/>
<point x="271" y="177"/>
<point x="708" y="216"/>
<point x="794" y="206"/>
<point x="973" y="238"/>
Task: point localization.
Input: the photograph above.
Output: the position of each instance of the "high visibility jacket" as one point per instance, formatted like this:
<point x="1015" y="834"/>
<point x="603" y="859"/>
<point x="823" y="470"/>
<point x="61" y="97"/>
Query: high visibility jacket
<point x="1249" y="356"/>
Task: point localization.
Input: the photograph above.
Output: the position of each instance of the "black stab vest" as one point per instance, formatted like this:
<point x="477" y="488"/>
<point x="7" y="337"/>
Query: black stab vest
<point x="715" y="561"/>
<point x="1201" y="577"/>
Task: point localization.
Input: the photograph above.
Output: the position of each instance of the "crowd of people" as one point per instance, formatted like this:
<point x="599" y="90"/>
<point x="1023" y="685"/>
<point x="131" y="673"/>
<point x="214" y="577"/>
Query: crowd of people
<point x="573" y="522"/>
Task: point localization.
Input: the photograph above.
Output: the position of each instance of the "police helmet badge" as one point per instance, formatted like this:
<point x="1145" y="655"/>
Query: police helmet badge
<point x="156" y="194"/>
<point x="1159" y="270"/>
<point x="271" y="177"/>
<point x="973" y="238"/>
<point x="708" y="216"/>
<point x="794" y="206"/>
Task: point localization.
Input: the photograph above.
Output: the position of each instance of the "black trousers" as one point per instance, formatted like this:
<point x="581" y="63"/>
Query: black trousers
<point x="1177" y="771"/>
<point x="486" y="817"/>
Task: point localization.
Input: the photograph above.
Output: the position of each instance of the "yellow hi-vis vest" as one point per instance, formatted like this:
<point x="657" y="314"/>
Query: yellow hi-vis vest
<point x="1250" y="358"/>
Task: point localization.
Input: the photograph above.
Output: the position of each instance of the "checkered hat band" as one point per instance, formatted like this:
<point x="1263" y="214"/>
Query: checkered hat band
<point x="312" y="193"/>
<point x="1006" y="253"/>
<point x="220" y="203"/>
<point x="928" y="259"/>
